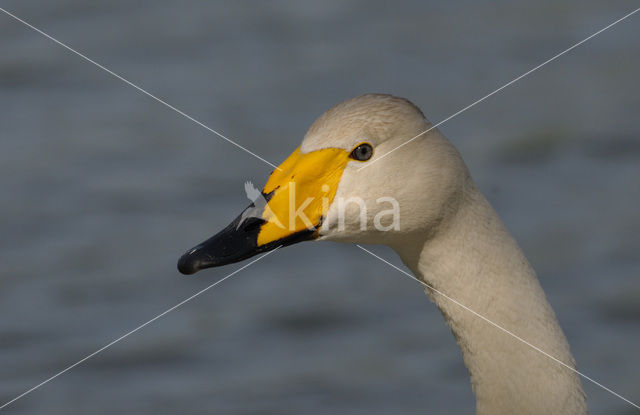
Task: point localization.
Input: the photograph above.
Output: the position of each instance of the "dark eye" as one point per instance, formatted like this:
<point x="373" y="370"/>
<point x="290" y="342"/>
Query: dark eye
<point x="363" y="152"/>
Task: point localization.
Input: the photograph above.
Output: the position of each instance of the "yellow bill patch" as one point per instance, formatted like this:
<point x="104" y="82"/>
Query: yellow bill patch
<point x="303" y="190"/>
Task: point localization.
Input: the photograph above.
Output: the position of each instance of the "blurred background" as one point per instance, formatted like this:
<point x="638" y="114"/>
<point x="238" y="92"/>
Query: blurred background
<point x="102" y="189"/>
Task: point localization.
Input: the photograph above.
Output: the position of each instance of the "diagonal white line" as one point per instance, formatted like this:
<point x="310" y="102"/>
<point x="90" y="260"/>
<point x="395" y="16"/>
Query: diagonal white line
<point x="135" y="330"/>
<point x="262" y="159"/>
<point x="137" y="87"/>
<point x="500" y="327"/>
<point x="502" y="87"/>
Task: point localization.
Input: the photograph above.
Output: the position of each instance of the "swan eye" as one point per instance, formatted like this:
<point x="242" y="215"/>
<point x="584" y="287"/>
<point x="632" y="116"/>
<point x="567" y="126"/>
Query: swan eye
<point x="363" y="152"/>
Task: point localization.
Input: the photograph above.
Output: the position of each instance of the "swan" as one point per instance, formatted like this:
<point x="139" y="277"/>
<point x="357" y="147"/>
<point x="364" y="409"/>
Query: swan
<point x="419" y="199"/>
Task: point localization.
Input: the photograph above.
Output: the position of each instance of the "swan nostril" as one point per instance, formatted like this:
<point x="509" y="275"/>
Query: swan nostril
<point x="269" y="195"/>
<point x="251" y="224"/>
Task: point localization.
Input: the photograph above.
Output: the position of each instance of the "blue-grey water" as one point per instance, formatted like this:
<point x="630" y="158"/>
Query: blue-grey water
<point x="102" y="188"/>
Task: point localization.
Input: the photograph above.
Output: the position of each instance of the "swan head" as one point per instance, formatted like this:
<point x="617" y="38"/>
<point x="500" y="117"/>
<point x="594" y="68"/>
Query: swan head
<point x="365" y="172"/>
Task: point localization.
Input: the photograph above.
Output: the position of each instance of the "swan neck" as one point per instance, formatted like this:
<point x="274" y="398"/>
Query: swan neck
<point x="473" y="259"/>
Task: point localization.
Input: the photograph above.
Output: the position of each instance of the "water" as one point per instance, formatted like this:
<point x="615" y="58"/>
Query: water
<point x="102" y="189"/>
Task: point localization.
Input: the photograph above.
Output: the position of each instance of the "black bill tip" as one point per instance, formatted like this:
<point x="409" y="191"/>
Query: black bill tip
<point x="236" y="242"/>
<point x="232" y="244"/>
<point x="193" y="261"/>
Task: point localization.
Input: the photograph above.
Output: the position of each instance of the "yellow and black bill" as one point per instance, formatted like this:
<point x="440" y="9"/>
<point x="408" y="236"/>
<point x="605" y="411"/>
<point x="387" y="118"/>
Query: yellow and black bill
<point x="290" y="209"/>
<point x="234" y="243"/>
